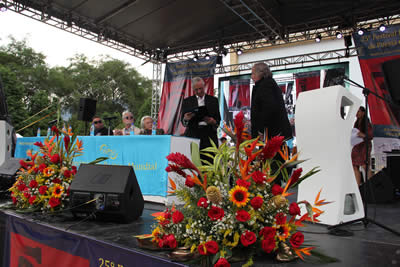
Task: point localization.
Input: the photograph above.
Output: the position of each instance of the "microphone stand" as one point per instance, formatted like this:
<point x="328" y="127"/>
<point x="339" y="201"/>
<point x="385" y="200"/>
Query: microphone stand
<point x="109" y="123"/>
<point x="365" y="220"/>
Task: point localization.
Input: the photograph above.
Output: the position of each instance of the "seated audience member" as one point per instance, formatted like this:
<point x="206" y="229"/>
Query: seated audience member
<point x="222" y="141"/>
<point x="128" y="120"/>
<point x="147" y="126"/>
<point x="99" y="128"/>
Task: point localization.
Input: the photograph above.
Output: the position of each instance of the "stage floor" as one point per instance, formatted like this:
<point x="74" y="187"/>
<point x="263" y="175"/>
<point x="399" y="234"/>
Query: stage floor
<point x="371" y="246"/>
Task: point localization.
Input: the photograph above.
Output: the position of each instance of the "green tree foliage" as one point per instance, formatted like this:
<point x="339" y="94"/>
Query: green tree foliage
<point x="31" y="86"/>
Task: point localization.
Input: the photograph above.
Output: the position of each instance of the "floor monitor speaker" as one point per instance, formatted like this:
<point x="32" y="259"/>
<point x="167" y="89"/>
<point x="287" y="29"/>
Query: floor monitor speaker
<point x="111" y="192"/>
<point x="381" y="188"/>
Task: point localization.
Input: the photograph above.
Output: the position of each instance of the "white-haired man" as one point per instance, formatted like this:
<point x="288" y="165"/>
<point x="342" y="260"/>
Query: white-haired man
<point x="128" y="120"/>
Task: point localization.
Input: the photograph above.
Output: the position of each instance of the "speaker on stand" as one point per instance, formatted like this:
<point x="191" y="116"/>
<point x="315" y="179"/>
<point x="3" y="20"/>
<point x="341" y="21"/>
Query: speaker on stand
<point x="87" y="109"/>
<point x="110" y="192"/>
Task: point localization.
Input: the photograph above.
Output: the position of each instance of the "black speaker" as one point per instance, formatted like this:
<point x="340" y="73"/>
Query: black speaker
<point x="348" y="41"/>
<point x="391" y="73"/>
<point x="393" y="168"/>
<point x="87" y="109"/>
<point x="111" y="192"/>
<point x="381" y="188"/>
<point x="7" y="175"/>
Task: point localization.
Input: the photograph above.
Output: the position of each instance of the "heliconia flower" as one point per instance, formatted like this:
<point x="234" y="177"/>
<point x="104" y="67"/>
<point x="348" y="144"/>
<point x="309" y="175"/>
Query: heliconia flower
<point x="66" y="141"/>
<point x="272" y="147"/>
<point x="295" y="176"/>
<point x="182" y="161"/>
<point x="239" y="127"/>
<point x="39" y="144"/>
<point x="175" y="168"/>
<point x="55" y="130"/>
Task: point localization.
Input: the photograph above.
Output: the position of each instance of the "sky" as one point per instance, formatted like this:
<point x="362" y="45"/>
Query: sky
<point x="58" y="45"/>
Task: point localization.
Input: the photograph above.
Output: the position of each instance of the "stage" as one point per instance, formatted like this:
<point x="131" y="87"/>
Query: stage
<point x="111" y="243"/>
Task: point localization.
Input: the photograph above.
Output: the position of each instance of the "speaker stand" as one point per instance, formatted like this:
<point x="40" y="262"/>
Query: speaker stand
<point x="365" y="220"/>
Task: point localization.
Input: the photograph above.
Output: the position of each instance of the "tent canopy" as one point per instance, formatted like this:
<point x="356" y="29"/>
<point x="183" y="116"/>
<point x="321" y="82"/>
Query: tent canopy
<point x="171" y="27"/>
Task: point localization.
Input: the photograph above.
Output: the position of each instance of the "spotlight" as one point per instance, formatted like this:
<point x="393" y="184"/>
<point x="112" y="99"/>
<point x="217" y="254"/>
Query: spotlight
<point x="3" y="7"/>
<point x="207" y="56"/>
<point x="382" y="27"/>
<point x="339" y="35"/>
<point x="360" y="31"/>
<point x="196" y="57"/>
<point x="239" y="51"/>
<point x="318" y="38"/>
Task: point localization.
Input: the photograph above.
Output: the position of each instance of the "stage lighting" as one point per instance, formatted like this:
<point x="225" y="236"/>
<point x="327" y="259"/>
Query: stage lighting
<point x="382" y="27"/>
<point x="239" y="51"/>
<point x="195" y="58"/>
<point x="318" y="38"/>
<point x="339" y="35"/>
<point x="360" y="31"/>
<point x="207" y="56"/>
<point x="3" y="7"/>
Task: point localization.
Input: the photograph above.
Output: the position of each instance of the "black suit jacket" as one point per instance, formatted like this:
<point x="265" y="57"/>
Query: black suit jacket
<point x="193" y="129"/>
<point x="268" y="110"/>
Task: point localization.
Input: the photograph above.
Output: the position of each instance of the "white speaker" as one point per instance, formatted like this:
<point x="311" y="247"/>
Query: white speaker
<point x="323" y="133"/>
<point x="5" y="141"/>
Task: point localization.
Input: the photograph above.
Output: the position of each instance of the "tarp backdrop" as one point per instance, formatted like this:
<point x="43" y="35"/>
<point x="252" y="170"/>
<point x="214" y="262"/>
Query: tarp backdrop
<point x="177" y="86"/>
<point x="375" y="48"/>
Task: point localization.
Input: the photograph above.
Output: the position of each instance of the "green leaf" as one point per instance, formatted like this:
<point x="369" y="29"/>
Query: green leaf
<point x="195" y="153"/>
<point x="98" y="160"/>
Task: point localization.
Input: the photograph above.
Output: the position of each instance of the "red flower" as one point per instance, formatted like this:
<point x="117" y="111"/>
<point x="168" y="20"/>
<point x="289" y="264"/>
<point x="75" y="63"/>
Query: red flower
<point x="272" y="147"/>
<point x="243" y="183"/>
<point x="280" y="218"/>
<point x="67" y="173"/>
<point x="54" y="202"/>
<point x="33" y="184"/>
<point x="295" y="176"/>
<point x="56" y="181"/>
<point x="276" y="189"/>
<point x="256" y="202"/>
<point x="297" y="239"/>
<point x="170" y="241"/>
<point x="39" y="144"/>
<point x="175" y="168"/>
<point x="55" y="158"/>
<point x="216" y="213"/>
<point x="268" y="245"/>
<point x="163" y="223"/>
<point x="248" y="238"/>
<point x="177" y="217"/>
<point x="202" y="202"/>
<point x="54" y="129"/>
<point x="242" y="216"/>
<point x="23" y="164"/>
<point x="73" y="170"/>
<point x="294" y="209"/>
<point x="32" y="199"/>
<point x="239" y="127"/>
<point x="14" y="199"/>
<point x="27" y="195"/>
<point x="189" y="182"/>
<point x="268" y="232"/>
<point x="222" y="262"/>
<point x="66" y="142"/>
<point x="202" y="249"/>
<point x="212" y="247"/>
<point x="258" y="177"/>
<point x="42" y="167"/>
<point x="42" y="189"/>
<point x="182" y="161"/>
<point x="21" y="186"/>
<point x="167" y="215"/>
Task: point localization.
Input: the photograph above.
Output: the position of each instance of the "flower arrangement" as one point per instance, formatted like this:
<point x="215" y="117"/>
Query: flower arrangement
<point x="233" y="206"/>
<point x="43" y="181"/>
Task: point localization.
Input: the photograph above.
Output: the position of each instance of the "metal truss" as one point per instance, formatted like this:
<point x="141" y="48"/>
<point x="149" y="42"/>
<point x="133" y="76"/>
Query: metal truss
<point x="288" y="62"/>
<point x="156" y="89"/>
<point x="73" y="25"/>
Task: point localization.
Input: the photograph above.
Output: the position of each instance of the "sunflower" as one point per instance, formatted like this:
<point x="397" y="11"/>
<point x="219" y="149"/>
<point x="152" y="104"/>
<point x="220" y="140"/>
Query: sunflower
<point x="282" y="231"/>
<point x="49" y="171"/>
<point x="239" y="196"/>
<point x="57" y="190"/>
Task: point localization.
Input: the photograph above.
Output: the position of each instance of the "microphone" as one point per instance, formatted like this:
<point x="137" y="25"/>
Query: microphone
<point x="339" y="79"/>
<point x="52" y="122"/>
<point x="111" y="118"/>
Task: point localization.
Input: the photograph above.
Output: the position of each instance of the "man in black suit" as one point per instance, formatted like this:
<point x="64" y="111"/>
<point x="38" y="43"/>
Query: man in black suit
<point x="268" y="112"/>
<point x="99" y="128"/>
<point x="201" y="124"/>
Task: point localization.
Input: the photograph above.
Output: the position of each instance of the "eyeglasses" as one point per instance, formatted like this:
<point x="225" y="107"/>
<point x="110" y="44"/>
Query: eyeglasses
<point x="129" y="118"/>
<point x="96" y="122"/>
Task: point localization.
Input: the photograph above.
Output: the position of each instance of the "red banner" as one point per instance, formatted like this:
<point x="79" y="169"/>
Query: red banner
<point x="177" y="86"/>
<point x="239" y="93"/>
<point x="307" y="81"/>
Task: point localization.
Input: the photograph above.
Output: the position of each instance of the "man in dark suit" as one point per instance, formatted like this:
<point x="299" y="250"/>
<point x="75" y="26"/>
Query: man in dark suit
<point x="268" y="112"/>
<point x="201" y="124"/>
<point x="99" y="128"/>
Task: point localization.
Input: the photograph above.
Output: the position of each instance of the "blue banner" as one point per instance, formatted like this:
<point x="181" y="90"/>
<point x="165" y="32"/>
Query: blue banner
<point x="33" y="244"/>
<point x="145" y="153"/>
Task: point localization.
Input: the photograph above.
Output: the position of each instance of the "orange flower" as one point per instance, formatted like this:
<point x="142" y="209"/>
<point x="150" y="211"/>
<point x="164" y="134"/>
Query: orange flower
<point x="239" y="196"/>
<point x="79" y="144"/>
<point x="57" y="191"/>
<point x="49" y="171"/>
